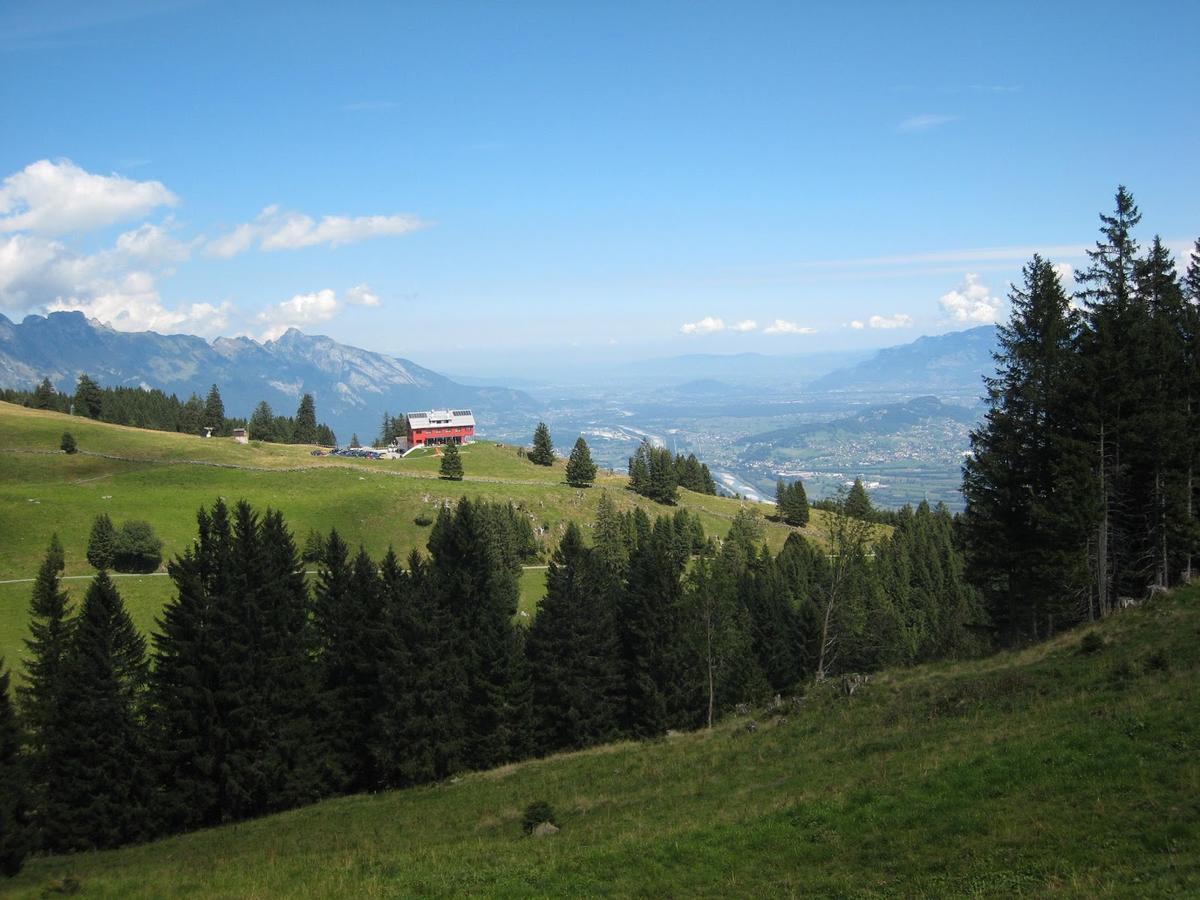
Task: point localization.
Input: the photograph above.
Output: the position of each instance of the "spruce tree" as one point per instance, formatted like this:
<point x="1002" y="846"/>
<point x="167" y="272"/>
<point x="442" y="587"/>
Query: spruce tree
<point x="45" y="396"/>
<point x="89" y="399"/>
<point x="572" y="652"/>
<point x="99" y="795"/>
<point x="214" y="412"/>
<point x="42" y="693"/>
<point x="1112" y="347"/>
<point x="305" y="431"/>
<point x="262" y="424"/>
<point x="858" y="501"/>
<point x="15" y="831"/>
<point x="67" y="444"/>
<point x="1029" y="484"/>
<point x="102" y="543"/>
<point x="451" y="467"/>
<point x="791" y="503"/>
<point x="581" y="471"/>
<point x="478" y="587"/>
<point x="542" y="453"/>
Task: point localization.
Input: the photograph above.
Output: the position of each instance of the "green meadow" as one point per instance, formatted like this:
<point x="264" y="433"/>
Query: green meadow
<point x="165" y="478"/>
<point x="1051" y="771"/>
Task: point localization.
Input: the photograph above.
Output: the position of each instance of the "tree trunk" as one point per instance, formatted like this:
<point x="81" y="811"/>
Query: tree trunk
<point x="1102" y="535"/>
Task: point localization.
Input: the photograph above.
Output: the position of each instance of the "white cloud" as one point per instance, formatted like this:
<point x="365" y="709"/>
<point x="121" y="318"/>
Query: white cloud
<point x="856" y="325"/>
<point x="153" y="244"/>
<point x="362" y="295"/>
<point x="304" y="310"/>
<point x="899" y="320"/>
<point x="133" y="304"/>
<point x="59" y="197"/>
<point x="782" y="326"/>
<point x="1066" y="274"/>
<point x="924" y="122"/>
<point x="745" y="325"/>
<point x="275" y="229"/>
<point x="707" y="325"/>
<point x="301" y="310"/>
<point x="971" y="301"/>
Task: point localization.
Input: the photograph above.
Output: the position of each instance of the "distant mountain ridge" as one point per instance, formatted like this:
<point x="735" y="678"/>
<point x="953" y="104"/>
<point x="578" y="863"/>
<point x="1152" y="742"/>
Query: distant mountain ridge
<point x="352" y="387"/>
<point x="944" y="364"/>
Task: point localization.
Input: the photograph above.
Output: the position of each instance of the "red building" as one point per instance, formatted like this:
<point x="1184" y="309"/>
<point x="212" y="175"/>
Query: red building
<point x="440" y="426"/>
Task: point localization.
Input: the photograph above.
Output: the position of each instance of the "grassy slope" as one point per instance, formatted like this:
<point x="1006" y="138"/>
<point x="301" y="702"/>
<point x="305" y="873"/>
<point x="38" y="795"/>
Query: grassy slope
<point x="373" y="502"/>
<point x="1044" y="771"/>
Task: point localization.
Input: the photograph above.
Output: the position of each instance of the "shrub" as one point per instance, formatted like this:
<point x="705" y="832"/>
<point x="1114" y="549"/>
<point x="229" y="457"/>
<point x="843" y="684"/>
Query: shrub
<point x="422" y="520"/>
<point x="1158" y="661"/>
<point x="535" y="814"/>
<point x="138" y="548"/>
<point x="1092" y="643"/>
<point x="68" y="444"/>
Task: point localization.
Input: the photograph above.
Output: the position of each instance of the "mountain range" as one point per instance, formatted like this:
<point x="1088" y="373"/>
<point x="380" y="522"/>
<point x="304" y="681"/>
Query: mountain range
<point x="352" y="387"/>
<point x="946" y="364"/>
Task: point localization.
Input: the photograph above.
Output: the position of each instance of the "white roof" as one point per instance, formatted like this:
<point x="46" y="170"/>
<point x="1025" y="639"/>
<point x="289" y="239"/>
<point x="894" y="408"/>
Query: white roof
<point x="442" y="418"/>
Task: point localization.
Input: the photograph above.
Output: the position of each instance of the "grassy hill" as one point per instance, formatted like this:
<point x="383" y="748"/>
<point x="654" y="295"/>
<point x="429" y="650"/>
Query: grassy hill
<point x="1049" y="771"/>
<point x="164" y="478"/>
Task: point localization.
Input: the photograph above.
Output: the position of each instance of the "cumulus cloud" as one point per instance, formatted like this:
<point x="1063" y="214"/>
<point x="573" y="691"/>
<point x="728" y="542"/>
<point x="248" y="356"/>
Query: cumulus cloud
<point x="782" y="326"/>
<point x="304" y="310"/>
<point x="1066" y="274"/>
<point x="133" y="304"/>
<point x="59" y="197"/>
<point x="856" y="325"/>
<point x="899" y="320"/>
<point x="924" y="122"/>
<point x="276" y="229"/>
<point x="362" y="295"/>
<point x="707" y="325"/>
<point x="745" y="325"/>
<point x="972" y="301"/>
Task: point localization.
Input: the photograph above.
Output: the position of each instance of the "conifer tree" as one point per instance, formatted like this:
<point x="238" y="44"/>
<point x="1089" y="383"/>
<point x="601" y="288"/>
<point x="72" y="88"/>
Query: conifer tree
<point x="352" y="637"/>
<point x="791" y="503"/>
<point x="451" y="467"/>
<point x="45" y="396"/>
<point x="262" y="424"/>
<point x="214" y="412"/>
<point x="581" y="471"/>
<point x="1031" y="497"/>
<point x="89" y="399"/>
<point x="15" y="831"/>
<point x="649" y="632"/>
<point x="572" y="652"/>
<point x="542" y="453"/>
<point x="1111" y="347"/>
<point x="42" y="693"/>
<point x="858" y="501"/>
<point x="306" y="421"/>
<point x="478" y="588"/>
<point x="99" y="795"/>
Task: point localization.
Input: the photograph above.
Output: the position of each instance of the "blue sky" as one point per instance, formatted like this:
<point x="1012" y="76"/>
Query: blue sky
<point x="593" y="181"/>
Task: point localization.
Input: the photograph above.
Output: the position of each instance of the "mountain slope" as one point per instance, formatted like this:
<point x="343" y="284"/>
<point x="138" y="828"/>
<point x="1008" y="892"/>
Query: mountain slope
<point x="1048" y="771"/>
<point x="352" y="387"/>
<point x="952" y="363"/>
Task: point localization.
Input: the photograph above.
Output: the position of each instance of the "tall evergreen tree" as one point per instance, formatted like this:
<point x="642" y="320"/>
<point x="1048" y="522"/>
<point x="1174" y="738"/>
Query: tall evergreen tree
<point x="858" y="501"/>
<point x="451" y="467"/>
<point x="306" y="421"/>
<point x="1031" y="497"/>
<point x="572" y="652"/>
<point x="42" y="693"/>
<point x="89" y="399"/>
<point x="581" y="471"/>
<point x="214" y="412"/>
<point x="15" y="830"/>
<point x="478" y="587"/>
<point x="1113" y="348"/>
<point x="100" y="795"/>
<point x="543" y="448"/>
<point x="45" y="396"/>
<point x="791" y="503"/>
<point x="262" y="424"/>
<point x="102" y="543"/>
